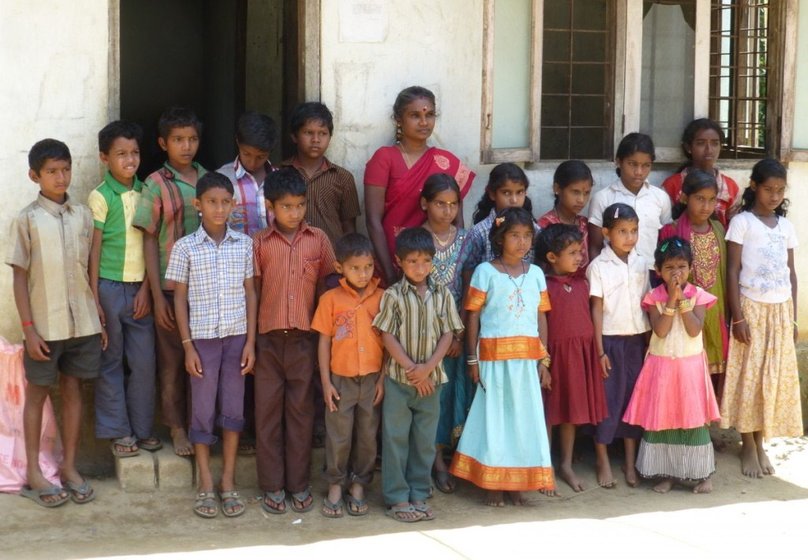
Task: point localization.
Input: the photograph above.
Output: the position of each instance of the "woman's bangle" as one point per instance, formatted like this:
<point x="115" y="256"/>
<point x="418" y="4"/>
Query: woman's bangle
<point x="669" y="311"/>
<point x="738" y="322"/>
<point x="685" y="306"/>
<point x="186" y="340"/>
<point x="472" y="362"/>
<point x="26" y="324"/>
<point x="601" y="356"/>
<point x="546" y="361"/>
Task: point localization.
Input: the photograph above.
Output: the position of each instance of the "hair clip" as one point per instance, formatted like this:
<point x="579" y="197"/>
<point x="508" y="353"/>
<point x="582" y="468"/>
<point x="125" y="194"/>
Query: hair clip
<point x="663" y="247"/>
<point x="616" y="212"/>
<point x="498" y="221"/>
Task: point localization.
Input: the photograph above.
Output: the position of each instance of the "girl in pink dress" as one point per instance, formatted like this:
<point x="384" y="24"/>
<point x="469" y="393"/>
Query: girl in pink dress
<point x="673" y="398"/>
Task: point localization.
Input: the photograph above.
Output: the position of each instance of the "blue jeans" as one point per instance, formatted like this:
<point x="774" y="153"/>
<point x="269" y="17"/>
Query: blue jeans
<point x="124" y="405"/>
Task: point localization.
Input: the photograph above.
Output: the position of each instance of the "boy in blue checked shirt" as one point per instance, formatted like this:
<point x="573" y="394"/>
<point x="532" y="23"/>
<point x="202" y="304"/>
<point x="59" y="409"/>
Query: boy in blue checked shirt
<point x="215" y="306"/>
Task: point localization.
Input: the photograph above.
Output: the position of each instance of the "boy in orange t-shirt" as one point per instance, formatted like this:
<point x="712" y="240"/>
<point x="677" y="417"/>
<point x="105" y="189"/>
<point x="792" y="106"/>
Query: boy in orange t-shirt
<point x="350" y="353"/>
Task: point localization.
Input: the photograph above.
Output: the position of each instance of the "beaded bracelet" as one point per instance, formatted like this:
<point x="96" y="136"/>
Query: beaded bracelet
<point x="669" y="311"/>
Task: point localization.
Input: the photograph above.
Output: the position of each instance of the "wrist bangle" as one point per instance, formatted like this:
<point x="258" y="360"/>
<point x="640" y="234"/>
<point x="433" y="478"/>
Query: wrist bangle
<point x="26" y="324"/>
<point x="186" y="340"/>
<point x="601" y="356"/>
<point x="471" y="356"/>
<point x="546" y="361"/>
<point x="738" y="322"/>
<point x="669" y="311"/>
<point x="795" y="324"/>
<point x="472" y="362"/>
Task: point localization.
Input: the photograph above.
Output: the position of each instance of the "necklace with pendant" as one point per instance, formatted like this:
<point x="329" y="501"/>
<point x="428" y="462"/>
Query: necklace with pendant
<point x="518" y="293"/>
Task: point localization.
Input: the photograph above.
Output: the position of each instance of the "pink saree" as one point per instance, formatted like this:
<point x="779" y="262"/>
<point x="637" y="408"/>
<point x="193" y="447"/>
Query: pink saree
<point x="402" y="207"/>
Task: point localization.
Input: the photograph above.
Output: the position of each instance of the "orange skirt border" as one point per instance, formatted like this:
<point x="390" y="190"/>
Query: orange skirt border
<point x="502" y="478"/>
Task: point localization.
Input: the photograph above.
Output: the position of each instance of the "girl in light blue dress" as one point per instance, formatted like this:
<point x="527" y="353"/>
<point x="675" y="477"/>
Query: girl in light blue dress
<point x="504" y="445"/>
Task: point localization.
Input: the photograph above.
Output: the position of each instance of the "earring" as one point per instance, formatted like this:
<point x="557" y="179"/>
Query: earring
<point x="399" y="134"/>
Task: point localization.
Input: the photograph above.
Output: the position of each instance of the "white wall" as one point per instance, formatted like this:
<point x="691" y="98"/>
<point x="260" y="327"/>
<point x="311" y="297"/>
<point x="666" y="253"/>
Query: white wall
<point x="54" y="57"/>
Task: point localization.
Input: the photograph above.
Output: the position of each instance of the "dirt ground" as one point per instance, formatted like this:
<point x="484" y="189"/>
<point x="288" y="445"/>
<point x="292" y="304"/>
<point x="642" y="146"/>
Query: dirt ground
<point x="741" y="518"/>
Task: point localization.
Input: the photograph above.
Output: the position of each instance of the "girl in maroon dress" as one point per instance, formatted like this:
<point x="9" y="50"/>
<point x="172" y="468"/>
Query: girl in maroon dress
<point x="576" y="395"/>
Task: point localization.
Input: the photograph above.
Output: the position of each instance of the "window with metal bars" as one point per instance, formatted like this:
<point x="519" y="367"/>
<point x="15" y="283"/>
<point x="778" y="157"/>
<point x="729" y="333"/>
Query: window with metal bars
<point x="740" y="74"/>
<point x="577" y="80"/>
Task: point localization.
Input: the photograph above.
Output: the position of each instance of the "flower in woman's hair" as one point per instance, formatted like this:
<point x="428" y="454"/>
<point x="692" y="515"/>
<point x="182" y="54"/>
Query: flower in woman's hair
<point x="498" y="221"/>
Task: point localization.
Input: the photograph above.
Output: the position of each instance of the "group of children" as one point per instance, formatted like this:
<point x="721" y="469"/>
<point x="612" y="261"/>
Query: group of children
<point x="491" y="338"/>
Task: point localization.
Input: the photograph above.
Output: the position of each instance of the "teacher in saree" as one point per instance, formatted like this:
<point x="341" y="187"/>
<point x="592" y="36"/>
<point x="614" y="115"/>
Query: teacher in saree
<point x="395" y="175"/>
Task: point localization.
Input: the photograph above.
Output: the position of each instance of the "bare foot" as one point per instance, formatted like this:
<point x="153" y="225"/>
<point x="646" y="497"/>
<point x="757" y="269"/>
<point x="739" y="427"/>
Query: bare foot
<point x="632" y="477"/>
<point x="518" y="499"/>
<point x="664" y="486"/>
<point x="605" y="476"/>
<point x="182" y="446"/>
<point x="494" y="498"/>
<point x="569" y="476"/>
<point x="750" y="462"/>
<point x="549" y="492"/>
<point x="765" y="465"/>
<point x="704" y="487"/>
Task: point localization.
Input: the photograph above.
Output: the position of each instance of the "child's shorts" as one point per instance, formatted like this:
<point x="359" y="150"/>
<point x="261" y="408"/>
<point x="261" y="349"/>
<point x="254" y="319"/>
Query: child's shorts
<point x="78" y="357"/>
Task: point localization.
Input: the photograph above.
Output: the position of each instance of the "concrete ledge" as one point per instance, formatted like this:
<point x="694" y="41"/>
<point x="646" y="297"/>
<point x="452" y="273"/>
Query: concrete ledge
<point x="173" y="472"/>
<point x="136" y="474"/>
<point x="246" y="474"/>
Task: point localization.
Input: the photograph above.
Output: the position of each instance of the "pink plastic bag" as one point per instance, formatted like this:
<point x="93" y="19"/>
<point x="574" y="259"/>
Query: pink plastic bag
<point x="12" y="442"/>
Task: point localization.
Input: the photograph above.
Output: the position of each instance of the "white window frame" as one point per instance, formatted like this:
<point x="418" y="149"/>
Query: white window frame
<point x="628" y="79"/>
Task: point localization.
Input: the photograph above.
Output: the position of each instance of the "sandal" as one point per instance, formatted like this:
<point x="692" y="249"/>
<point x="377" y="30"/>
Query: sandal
<point x="399" y="513"/>
<point x="445" y="482"/>
<point x="151" y="443"/>
<point x="39" y="495"/>
<point x="231" y="500"/>
<point x="125" y="447"/>
<point x="356" y="507"/>
<point x="423" y="507"/>
<point x="205" y="502"/>
<point x="333" y="511"/>
<point x="299" y="499"/>
<point x="274" y="502"/>
<point x="80" y="493"/>
<point x="246" y="447"/>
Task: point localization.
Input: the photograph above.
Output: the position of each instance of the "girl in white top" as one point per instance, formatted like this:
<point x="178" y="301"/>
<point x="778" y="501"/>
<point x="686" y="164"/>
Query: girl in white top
<point x="635" y="156"/>
<point x="762" y="391"/>
<point x="618" y="280"/>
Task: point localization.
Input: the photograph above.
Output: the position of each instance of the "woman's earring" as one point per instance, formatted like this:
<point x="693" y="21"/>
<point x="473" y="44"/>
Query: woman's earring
<point x="399" y="134"/>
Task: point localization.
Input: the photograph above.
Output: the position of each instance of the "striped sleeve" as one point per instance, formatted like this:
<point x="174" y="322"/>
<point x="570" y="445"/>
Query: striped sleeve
<point x="449" y="319"/>
<point x="389" y="319"/>
<point x="148" y="215"/>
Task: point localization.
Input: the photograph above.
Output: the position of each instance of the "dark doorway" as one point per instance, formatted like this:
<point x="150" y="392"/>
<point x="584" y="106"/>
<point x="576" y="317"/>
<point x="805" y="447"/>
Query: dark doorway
<point x="218" y="57"/>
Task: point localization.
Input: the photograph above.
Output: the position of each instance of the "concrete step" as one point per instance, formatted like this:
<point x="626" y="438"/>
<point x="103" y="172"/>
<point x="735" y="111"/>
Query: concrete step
<point x="164" y="470"/>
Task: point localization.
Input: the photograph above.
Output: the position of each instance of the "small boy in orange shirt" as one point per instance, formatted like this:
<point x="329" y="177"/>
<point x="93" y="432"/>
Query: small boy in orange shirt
<point x="350" y="353"/>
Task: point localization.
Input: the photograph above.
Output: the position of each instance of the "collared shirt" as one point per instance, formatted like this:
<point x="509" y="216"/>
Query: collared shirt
<point x="347" y="317"/>
<point x="331" y="197"/>
<point x="215" y="275"/>
<point x="51" y="242"/>
<point x="288" y="272"/>
<point x="480" y="250"/>
<point x="622" y="286"/>
<point x="166" y="209"/>
<point x="417" y="323"/>
<point x="113" y="206"/>
<point x="249" y="213"/>
<point x="651" y="204"/>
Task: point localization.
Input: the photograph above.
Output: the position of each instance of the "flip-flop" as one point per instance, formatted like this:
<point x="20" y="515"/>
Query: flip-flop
<point x="394" y="512"/>
<point x="37" y="495"/>
<point x="300" y="498"/>
<point x="278" y="498"/>
<point x="205" y="501"/>
<point x="331" y="510"/>
<point x="356" y="507"/>
<point x="231" y="499"/>
<point x="80" y="493"/>
<point x="151" y="443"/>
<point x="124" y="447"/>
<point x="423" y="508"/>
